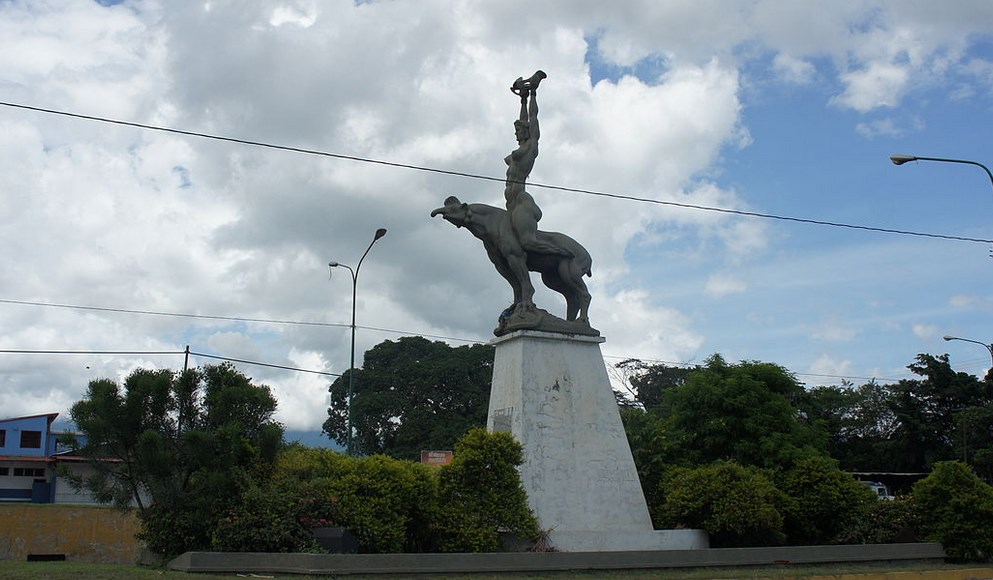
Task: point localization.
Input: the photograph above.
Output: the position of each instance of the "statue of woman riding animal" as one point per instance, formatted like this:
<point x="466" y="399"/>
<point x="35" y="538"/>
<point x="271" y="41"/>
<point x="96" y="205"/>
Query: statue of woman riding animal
<point x="514" y="243"/>
<point x="562" y="270"/>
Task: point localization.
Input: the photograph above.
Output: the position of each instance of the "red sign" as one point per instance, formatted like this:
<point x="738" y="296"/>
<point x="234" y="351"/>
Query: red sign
<point x="436" y="457"/>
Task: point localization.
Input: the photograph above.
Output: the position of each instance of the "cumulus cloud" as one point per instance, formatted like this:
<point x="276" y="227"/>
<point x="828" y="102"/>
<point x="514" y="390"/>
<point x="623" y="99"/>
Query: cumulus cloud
<point x="95" y="214"/>
<point x="878" y="85"/>
<point x="828" y="367"/>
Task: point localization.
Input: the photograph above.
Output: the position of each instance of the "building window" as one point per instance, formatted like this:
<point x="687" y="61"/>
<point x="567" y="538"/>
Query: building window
<point x="29" y="472"/>
<point x="4" y="471"/>
<point x="3" y="437"/>
<point x="30" y="439"/>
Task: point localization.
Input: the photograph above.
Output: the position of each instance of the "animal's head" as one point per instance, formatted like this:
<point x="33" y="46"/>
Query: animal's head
<point x="454" y="211"/>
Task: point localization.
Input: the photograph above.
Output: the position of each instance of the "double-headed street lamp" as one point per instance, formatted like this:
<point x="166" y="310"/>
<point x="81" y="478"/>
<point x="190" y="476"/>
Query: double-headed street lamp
<point x="351" y="369"/>
<point x="989" y="347"/>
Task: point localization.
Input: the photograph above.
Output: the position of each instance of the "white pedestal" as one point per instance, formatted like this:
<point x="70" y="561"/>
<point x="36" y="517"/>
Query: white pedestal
<point x="551" y="391"/>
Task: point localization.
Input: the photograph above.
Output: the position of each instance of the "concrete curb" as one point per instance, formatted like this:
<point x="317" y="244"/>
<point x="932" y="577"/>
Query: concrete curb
<point x="342" y="564"/>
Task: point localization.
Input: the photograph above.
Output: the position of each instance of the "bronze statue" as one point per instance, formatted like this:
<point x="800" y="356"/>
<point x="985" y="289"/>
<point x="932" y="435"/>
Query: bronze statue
<point x="514" y="243"/>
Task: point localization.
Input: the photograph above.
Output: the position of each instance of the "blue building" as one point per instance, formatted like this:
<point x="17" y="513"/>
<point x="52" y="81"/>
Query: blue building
<point x="30" y="456"/>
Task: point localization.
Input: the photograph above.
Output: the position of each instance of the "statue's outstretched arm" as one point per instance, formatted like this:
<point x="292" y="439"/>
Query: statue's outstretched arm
<point x="533" y="115"/>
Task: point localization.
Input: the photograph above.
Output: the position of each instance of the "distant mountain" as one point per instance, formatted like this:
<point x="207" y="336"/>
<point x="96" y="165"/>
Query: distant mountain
<point x="312" y="439"/>
<point x="308" y="438"/>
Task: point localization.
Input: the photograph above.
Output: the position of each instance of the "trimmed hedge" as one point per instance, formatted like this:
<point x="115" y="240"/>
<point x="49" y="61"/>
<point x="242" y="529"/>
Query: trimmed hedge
<point x="737" y="505"/>
<point x="822" y="501"/>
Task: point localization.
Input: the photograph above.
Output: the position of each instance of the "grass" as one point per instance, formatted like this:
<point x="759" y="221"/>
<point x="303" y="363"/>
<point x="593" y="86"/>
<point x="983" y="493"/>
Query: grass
<point x="19" y="570"/>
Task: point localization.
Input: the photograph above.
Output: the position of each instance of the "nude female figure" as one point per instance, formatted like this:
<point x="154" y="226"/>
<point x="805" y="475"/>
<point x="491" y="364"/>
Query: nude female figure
<point x="524" y="212"/>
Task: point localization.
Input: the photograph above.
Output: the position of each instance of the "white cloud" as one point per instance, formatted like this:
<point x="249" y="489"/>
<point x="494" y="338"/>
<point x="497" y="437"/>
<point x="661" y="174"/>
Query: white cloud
<point x="880" y="127"/>
<point x="632" y="324"/>
<point x="877" y="85"/>
<point x="835" y="331"/>
<point x="794" y="70"/>
<point x="105" y="215"/>
<point x="719" y="285"/>
<point x="926" y="330"/>
<point x="971" y="302"/>
<point x="828" y="366"/>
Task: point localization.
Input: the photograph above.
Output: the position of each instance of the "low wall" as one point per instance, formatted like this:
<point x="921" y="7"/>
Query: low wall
<point x="80" y="533"/>
<point x="442" y="564"/>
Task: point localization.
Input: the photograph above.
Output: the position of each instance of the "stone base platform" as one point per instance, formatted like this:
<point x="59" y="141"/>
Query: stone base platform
<point x="552" y="393"/>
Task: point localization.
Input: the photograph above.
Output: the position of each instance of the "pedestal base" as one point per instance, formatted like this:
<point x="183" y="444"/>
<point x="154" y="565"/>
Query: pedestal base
<point x="551" y="391"/>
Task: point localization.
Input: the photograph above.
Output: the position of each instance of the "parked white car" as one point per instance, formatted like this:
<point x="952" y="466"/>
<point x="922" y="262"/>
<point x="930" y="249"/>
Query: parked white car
<point x="881" y="491"/>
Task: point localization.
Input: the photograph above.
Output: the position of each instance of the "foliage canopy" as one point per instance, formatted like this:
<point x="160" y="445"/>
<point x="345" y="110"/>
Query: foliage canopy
<point x="181" y="447"/>
<point x="412" y="394"/>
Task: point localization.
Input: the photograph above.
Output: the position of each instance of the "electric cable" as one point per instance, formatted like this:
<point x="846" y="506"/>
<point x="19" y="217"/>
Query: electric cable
<point x="467" y="175"/>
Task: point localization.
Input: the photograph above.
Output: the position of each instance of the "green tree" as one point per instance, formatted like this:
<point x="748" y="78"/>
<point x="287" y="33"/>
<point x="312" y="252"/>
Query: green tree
<point x="412" y="394"/>
<point x="646" y="435"/>
<point x="858" y="422"/>
<point x="956" y="508"/>
<point x="650" y="382"/>
<point x="929" y="413"/>
<point x="742" y="412"/>
<point x="179" y="447"/>
<point x="974" y="440"/>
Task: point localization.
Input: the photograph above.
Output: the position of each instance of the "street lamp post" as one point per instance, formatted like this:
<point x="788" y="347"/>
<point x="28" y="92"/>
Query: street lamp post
<point x="989" y="347"/>
<point x="351" y="369"/>
<point x="899" y="159"/>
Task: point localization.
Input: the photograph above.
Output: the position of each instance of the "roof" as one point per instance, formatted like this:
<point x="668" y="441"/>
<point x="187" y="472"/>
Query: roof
<point x="80" y="459"/>
<point x="51" y="417"/>
<point x="26" y="458"/>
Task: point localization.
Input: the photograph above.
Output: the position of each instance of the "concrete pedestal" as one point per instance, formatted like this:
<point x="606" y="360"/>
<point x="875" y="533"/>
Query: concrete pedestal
<point x="551" y="391"/>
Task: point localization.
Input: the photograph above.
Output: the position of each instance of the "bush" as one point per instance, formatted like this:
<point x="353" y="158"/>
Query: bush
<point x="274" y="518"/>
<point x="480" y="494"/>
<point x="395" y="506"/>
<point x="736" y="505"/>
<point x="174" y="531"/>
<point x="956" y="509"/>
<point x="823" y="501"/>
<point x="883" y="522"/>
<point x="387" y="503"/>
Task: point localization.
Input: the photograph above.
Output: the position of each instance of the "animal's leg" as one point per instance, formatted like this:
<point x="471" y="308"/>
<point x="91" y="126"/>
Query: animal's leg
<point x="578" y="297"/>
<point x="524" y="290"/>
<point x="584" y="302"/>
<point x="571" y="307"/>
<point x="554" y="281"/>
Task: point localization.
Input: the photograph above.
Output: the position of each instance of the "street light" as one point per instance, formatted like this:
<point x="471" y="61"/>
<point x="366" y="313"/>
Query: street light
<point x="351" y="369"/>
<point x="989" y="347"/>
<point x="899" y="159"/>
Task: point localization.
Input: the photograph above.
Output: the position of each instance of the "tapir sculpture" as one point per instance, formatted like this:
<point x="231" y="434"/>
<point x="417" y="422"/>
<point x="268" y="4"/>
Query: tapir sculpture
<point x="562" y="271"/>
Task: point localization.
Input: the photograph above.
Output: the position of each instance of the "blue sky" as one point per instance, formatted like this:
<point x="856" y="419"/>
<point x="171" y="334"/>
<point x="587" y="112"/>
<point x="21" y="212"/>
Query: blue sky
<point x="779" y="108"/>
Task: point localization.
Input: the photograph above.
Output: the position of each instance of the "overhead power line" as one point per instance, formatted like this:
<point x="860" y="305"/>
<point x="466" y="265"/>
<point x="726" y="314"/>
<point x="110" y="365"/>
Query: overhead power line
<point x="269" y="321"/>
<point x="160" y="353"/>
<point x="227" y="318"/>
<point x="490" y="177"/>
<point x="263" y="364"/>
